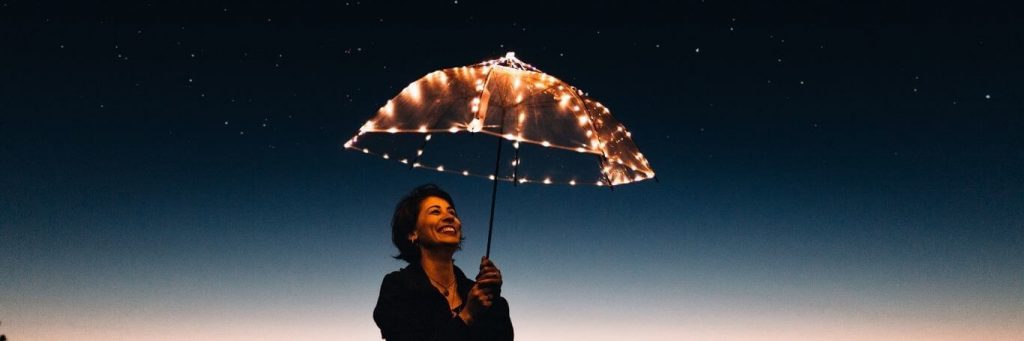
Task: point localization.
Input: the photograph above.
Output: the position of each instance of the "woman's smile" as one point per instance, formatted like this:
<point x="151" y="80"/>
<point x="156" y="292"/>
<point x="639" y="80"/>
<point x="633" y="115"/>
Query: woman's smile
<point x="438" y="224"/>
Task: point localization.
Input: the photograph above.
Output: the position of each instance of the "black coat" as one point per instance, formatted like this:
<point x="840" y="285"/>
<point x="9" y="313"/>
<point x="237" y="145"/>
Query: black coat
<point x="410" y="308"/>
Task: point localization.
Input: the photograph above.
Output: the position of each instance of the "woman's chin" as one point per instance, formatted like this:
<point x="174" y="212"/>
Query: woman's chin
<point x="452" y="243"/>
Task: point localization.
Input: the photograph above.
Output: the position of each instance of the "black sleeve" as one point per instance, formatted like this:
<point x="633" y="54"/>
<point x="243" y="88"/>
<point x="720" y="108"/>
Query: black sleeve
<point x="495" y="324"/>
<point x="400" y="316"/>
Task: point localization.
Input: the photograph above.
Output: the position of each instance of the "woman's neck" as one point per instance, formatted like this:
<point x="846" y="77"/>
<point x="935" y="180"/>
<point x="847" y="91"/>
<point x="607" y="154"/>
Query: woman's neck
<point x="438" y="265"/>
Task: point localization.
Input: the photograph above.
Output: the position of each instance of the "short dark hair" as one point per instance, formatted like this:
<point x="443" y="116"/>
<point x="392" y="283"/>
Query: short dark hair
<point x="407" y="212"/>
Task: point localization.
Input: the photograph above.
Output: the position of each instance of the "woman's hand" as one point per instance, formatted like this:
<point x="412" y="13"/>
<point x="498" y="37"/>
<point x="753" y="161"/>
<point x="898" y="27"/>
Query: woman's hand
<point x="484" y="292"/>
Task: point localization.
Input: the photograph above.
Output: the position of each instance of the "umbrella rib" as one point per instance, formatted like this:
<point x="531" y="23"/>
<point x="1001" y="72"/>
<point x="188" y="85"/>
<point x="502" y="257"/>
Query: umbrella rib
<point x="604" y="157"/>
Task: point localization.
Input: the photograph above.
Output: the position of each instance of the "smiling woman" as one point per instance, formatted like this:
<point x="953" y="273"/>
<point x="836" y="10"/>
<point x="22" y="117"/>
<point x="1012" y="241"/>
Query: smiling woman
<point x="431" y="298"/>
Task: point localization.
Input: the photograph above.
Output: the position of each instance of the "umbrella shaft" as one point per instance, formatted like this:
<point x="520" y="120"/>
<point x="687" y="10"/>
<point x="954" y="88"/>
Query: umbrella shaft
<point x="494" y="191"/>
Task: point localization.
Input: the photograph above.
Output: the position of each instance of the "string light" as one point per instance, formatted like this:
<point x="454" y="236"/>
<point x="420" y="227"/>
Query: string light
<point x="414" y="91"/>
<point x="476" y="125"/>
<point x="622" y="162"/>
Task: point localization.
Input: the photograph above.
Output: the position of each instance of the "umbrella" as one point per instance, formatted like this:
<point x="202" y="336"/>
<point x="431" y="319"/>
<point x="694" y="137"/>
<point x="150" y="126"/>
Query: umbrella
<point x="436" y="123"/>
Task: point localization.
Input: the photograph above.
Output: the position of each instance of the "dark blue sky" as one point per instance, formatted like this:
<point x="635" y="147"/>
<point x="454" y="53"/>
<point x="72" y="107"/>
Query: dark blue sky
<point x="826" y="171"/>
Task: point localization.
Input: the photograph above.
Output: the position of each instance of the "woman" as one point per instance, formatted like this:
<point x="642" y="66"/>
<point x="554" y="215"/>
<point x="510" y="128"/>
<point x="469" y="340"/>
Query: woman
<point x="431" y="298"/>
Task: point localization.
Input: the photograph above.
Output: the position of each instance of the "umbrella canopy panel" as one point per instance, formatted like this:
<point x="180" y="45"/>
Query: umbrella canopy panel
<point x="509" y="99"/>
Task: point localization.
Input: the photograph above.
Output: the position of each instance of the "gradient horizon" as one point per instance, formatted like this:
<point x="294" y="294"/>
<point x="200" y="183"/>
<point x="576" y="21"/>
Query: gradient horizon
<point x="850" y="178"/>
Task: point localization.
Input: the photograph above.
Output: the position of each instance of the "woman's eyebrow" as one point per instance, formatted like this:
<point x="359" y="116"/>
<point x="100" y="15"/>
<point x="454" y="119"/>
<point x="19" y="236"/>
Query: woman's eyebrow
<point x="433" y="206"/>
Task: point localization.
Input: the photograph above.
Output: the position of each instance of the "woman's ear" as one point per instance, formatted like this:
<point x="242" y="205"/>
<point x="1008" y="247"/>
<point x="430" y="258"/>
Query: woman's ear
<point x="412" y="237"/>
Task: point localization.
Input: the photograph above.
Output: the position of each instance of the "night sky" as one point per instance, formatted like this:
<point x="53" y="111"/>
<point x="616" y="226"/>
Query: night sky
<point x="826" y="171"/>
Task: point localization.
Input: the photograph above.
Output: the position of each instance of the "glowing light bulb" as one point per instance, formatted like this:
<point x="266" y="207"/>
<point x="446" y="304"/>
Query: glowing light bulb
<point x="599" y="183"/>
<point x="423" y="128"/>
<point x="453" y="129"/>
<point x="546" y="144"/>
<point x="509" y="137"/>
<point x="547" y="181"/>
<point x="466" y="173"/>
<point x="491" y="177"/>
<point x="440" y="168"/>
<point x="348" y="144"/>
<point x="476" y="125"/>
<point x="522" y="181"/>
<point x="583" y="120"/>
<point x="366" y="127"/>
<point x="427" y="138"/>
<point x="404" y="161"/>
<point x="392" y="130"/>
<point x="419" y="152"/>
<point x="366" y="151"/>
<point x="414" y="91"/>
<point x="415" y="165"/>
<point x="386" y="156"/>
<point x="388" y="108"/>
<point x="572" y="182"/>
<point x="580" y="149"/>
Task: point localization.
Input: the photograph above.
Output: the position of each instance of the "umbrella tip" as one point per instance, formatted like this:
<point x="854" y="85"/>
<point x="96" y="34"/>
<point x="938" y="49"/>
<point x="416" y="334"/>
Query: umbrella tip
<point x="510" y="55"/>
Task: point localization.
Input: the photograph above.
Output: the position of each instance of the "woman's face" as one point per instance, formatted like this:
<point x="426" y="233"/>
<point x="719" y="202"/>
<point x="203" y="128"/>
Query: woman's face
<point x="437" y="224"/>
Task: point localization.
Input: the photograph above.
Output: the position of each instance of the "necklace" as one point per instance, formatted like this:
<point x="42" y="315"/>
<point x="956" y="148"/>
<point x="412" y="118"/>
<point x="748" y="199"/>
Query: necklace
<point x="445" y="287"/>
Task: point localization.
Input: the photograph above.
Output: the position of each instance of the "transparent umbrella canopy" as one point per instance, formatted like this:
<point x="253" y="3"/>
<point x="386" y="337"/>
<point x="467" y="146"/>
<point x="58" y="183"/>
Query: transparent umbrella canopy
<point x="558" y="133"/>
